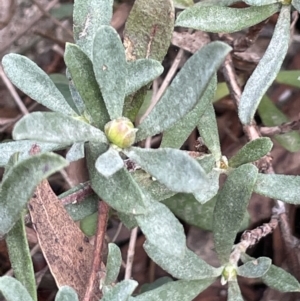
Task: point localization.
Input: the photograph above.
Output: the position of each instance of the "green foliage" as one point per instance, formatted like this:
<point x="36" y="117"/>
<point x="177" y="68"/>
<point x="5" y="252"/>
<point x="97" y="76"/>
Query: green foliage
<point x="185" y="90"/>
<point x="34" y="82"/>
<point x="251" y="152"/>
<point x="267" y="69"/>
<point x="229" y="19"/>
<point x="231" y="206"/>
<point x="17" y="187"/>
<point x="106" y="81"/>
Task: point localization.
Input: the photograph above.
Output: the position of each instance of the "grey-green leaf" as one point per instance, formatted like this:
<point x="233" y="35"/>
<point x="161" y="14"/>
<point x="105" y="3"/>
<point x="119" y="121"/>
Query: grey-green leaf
<point x="231" y="206"/>
<point x="255" y="268"/>
<point x="23" y="148"/>
<point x="81" y="70"/>
<point x="18" y="186"/>
<point x="252" y="151"/>
<point x="176" y="135"/>
<point x="268" y="67"/>
<point x="88" y="16"/>
<point x="234" y="292"/>
<point x="34" y="82"/>
<point x="140" y="73"/>
<point x="19" y="256"/>
<point x="281" y="187"/>
<point x="162" y="229"/>
<point x="208" y="191"/>
<point x="271" y="116"/>
<point x="157" y="190"/>
<point x="77" y="100"/>
<point x="110" y="69"/>
<point x="109" y="163"/>
<point x="66" y="293"/>
<point x="185" y="90"/>
<point x="76" y="152"/>
<point x="176" y="291"/>
<point x="13" y="290"/>
<point x="260" y="2"/>
<point x="208" y="129"/>
<point x="277" y="278"/>
<point x="188" y="267"/>
<point x="120" y="191"/>
<point x="114" y="261"/>
<point x="173" y="168"/>
<point x="121" y="291"/>
<point x="296" y="4"/>
<point x="229" y="19"/>
<point x="56" y="128"/>
<point x="188" y="209"/>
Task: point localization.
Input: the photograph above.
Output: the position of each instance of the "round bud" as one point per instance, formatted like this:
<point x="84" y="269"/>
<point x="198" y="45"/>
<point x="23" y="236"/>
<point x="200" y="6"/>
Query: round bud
<point x="120" y="132"/>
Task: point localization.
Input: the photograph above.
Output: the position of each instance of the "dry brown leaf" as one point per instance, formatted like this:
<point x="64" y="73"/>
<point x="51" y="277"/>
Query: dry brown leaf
<point x="66" y="249"/>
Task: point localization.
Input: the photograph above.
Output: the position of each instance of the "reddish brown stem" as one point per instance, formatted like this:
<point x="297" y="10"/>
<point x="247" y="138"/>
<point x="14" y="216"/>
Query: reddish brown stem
<point x="93" y="283"/>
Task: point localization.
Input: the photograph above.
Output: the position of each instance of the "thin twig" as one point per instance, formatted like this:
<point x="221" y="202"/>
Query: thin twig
<point x="165" y="83"/>
<point x="54" y="20"/>
<point x="117" y="232"/>
<point x="13" y="92"/>
<point x="93" y="282"/>
<point x="280" y="129"/>
<point x="21" y="33"/>
<point x="130" y="253"/>
<point x="11" y="12"/>
<point x="78" y="196"/>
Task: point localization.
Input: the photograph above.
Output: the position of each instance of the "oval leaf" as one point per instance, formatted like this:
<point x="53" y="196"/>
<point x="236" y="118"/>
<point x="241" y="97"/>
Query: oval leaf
<point x="229" y="19"/>
<point x="281" y="187"/>
<point x="18" y="186"/>
<point x="173" y="168"/>
<point x="81" y="70"/>
<point x="188" y="267"/>
<point x="271" y="116"/>
<point x="255" y="268"/>
<point x="13" y="290"/>
<point x="109" y="163"/>
<point x="162" y="229"/>
<point x="121" y="291"/>
<point x="34" y="82"/>
<point x="110" y="69"/>
<point x="231" y="206"/>
<point x="277" y="278"/>
<point x="88" y="16"/>
<point x="56" y="128"/>
<point x="113" y="264"/>
<point x="185" y="90"/>
<point x="140" y="73"/>
<point x="267" y="68"/>
<point x="176" y="135"/>
<point x="66" y="293"/>
<point x="252" y="151"/>
<point x="175" y="291"/>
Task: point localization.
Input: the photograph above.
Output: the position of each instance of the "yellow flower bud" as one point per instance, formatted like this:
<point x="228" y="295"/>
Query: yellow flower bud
<point x="120" y="132"/>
